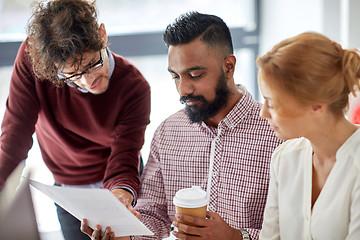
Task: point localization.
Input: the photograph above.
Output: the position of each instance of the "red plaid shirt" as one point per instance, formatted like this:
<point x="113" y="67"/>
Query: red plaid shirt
<point x="180" y="157"/>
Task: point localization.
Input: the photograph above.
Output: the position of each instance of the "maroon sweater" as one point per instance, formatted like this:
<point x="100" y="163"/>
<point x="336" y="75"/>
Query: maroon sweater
<point x="84" y="138"/>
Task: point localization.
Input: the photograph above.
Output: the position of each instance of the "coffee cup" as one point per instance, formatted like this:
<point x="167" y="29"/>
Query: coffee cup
<point x="191" y="201"/>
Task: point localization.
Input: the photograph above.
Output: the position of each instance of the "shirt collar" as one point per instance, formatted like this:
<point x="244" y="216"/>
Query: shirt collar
<point x="237" y="113"/>
<point x="240" y="110"/>
<point x="112" y="67"/>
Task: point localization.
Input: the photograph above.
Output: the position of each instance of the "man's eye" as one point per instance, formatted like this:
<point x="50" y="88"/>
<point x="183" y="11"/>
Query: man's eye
<point x="193" y="76"/>
<point x="175" y="77"/>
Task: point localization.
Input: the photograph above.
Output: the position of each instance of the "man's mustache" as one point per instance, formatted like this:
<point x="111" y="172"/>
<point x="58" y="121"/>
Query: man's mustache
<point x="191" y="97"/>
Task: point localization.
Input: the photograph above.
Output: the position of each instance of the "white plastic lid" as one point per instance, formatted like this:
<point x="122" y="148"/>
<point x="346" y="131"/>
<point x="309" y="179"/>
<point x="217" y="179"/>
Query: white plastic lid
<point x="190" y="197"/>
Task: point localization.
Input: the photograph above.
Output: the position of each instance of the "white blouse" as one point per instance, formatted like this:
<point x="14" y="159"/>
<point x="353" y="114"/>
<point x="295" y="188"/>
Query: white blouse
<point x="336" y="212"/>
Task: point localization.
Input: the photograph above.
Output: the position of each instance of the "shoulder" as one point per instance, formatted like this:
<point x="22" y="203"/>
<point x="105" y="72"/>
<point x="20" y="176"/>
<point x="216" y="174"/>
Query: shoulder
<point x="247" y="113"/>
<point x="178" y="120"/>
<point x="124" y="65"/>
<point x="23" y="55"/>
<point x="247" y="110"/>
<point x="22" y="69"/>
<point x="289" y="151"/>
<point x="127" y="71"/>
<point x="127" y="82"/>
<point x="351" y="149"/>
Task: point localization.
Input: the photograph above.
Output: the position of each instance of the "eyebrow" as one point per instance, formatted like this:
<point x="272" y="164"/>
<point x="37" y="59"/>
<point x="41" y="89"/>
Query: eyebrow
<point x="189" y="69"/>
<point x="85" y="67"/>
<point x="267" y="98"/>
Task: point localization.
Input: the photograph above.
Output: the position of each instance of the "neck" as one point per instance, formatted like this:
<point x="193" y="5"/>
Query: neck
<point x="329" y="137"/>
<point x="234" y="98"/>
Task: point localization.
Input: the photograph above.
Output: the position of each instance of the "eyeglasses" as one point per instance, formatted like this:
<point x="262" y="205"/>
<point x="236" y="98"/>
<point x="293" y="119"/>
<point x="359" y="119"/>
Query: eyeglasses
<point x="73" y="78"/>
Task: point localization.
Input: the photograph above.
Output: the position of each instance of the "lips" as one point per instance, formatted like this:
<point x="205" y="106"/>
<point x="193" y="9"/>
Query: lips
<point x="97" y="84"/>
<point x="273" y="127"/>
<point x="190" y="103"/>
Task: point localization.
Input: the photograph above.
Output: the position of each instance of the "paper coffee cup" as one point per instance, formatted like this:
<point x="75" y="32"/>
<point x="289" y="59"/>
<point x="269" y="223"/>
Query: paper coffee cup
<point x="191" y="201"/>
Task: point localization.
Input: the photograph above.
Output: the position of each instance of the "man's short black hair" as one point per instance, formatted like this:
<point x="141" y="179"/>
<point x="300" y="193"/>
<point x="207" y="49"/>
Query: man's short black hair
<point x="211" y="29"/>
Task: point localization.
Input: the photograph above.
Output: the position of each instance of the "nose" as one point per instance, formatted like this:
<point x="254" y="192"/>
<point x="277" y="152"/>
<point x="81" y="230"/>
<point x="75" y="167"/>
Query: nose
<point x="264" y="112"/>
<point x="87" y="79"/>
<point x="184" y="86"/>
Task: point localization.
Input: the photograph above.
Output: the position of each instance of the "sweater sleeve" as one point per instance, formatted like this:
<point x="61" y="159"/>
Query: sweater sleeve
<point x="123" y="164"/>
<point x="20" y="116"/>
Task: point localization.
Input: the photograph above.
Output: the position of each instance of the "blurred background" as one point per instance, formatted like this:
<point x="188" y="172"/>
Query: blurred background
<point x="135" y="31"/>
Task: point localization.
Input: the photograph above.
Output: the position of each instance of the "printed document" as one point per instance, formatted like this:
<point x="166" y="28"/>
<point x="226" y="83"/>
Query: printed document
<point x="98" y="206"/>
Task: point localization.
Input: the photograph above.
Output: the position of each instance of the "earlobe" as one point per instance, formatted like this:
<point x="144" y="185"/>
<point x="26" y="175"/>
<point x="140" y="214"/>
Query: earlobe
<point x="318" y="107"/>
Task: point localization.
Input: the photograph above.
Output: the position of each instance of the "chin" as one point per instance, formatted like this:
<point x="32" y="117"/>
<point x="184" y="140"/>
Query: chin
<point x="97" y="91"/>
<point x="101" y="89"/>
<point x="284" y="136"/>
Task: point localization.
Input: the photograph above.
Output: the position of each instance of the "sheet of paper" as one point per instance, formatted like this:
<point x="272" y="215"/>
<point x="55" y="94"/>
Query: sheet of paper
<point x="98" y="206"/>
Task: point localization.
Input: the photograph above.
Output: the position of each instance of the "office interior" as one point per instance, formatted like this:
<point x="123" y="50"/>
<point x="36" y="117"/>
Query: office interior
<point x="135" y="31"/>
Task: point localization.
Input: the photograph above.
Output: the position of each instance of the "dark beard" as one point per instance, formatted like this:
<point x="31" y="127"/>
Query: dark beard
<point x="208" y="109"/>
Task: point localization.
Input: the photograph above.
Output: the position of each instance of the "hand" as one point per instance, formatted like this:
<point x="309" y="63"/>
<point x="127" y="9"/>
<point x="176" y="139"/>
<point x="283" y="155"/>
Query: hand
<point x="211" y="228"/>
<point x="96" y="234"/>
<point x="126" y="198"/>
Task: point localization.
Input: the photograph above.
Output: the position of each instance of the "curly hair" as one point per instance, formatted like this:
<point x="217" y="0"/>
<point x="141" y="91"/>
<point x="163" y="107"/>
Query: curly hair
<point x="61" y="30"/>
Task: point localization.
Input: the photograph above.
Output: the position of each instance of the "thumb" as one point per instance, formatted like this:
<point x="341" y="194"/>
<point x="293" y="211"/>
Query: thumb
<point x="133" y="211"/>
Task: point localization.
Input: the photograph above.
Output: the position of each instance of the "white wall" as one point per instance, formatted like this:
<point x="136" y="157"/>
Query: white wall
<point x="280" y="19"/>
<point x="337" y="19"/>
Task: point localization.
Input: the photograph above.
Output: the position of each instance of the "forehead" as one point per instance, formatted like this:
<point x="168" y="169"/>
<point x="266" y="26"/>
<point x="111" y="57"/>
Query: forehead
<point x="189" y="55"/>
<point x="263" y="86"/>
<point x="285" y="101"/>
<point x="80" y="61"/>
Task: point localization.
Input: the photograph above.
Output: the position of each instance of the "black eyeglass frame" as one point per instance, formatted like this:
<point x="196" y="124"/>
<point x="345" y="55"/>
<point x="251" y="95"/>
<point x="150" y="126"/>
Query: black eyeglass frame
<point x="73" y="78"/>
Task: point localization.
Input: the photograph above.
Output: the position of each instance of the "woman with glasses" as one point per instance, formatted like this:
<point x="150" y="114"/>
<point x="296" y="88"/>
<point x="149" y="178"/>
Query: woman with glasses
<point x="315" y="175"/>
<point x="88" y="106"/>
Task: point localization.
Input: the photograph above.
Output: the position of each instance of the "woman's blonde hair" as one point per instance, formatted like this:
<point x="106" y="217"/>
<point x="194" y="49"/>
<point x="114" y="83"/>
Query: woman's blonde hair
<point x="313" y="69"/>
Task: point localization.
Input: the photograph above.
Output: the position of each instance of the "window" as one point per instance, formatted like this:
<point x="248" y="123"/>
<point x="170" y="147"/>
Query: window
<point x="135" y="31"/>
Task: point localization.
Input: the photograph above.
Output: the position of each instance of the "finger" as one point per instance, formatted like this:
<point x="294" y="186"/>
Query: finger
<point x="211" y="215"/>
<point x="85" y="228"/>
<point x="183" y="236"/>
<point x="201" y="222"/>
<point x="96" y="233"/>
<point x="107" y="234"/>
<point x="187" y="229"/>
<point x="120" y="238"/>
<point x="133" y="211"/>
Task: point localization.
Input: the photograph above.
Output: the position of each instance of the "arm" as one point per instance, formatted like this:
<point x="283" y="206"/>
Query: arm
<point x="21" y="114"/>
<point x="122" y="171"/>
<point x="354" y="225"/>
<point x="152" y="203"/>
<point x="270" y="227"/>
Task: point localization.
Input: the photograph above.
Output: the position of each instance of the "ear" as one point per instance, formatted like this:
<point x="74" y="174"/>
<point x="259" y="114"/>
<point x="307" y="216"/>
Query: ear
<point x="229" y="66"/>
<point x="103" y="33"/>
<point x="318" y="108"/>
